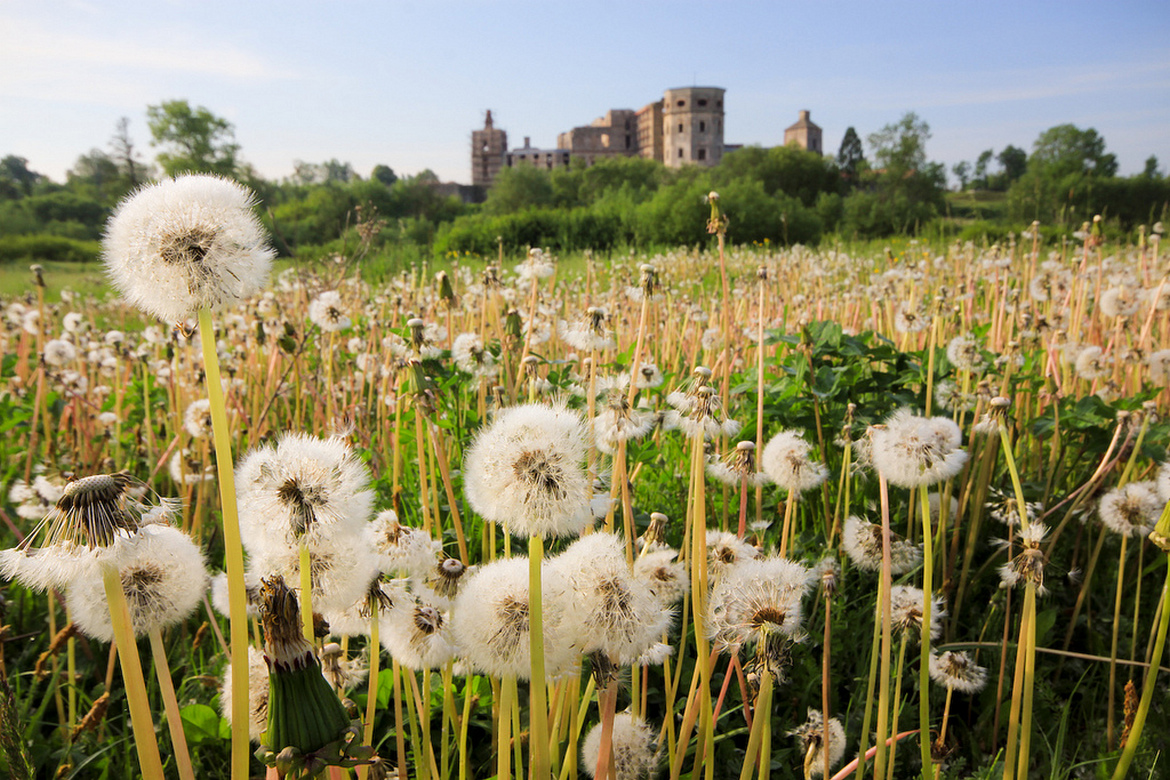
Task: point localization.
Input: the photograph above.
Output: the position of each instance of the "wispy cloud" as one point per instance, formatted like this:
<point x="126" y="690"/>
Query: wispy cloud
<point x="39" y="63"/>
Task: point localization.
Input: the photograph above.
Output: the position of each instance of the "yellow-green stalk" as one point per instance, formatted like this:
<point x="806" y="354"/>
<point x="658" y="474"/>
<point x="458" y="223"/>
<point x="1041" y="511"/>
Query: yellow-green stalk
<point x="233" y="547"/>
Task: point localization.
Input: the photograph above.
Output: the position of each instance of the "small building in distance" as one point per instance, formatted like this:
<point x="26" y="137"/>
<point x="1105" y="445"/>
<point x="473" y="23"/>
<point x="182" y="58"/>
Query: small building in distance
<point x="488" y="147"/>
<point x="536" y="158"/>
<point x="613" y="135"/>
<point x="684" y="128"/>
<point x="805" y="134"/>
<point x="692" y="126"/>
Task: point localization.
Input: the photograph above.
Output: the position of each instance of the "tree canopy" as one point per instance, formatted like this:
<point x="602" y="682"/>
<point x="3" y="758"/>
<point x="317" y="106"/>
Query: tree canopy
<point x="193" y="140"/>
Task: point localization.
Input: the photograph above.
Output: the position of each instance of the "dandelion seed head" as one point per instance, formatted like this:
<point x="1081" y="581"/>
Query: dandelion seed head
<point x="608" y="609"/>
<point x="526" y="470"/>
<point x="787" y="462"/>
<point x="490" y="620"/>
<point x="863" y="544"/>
<point x="1131" y="510"/>
<point x="811" y="736"/>
<point x="956" y="670"/>
<point x="635" y="748"/>
<point x="186" y="244"/>
<point x="757" y="598"/>
<point x="912" y="451"/>
<point x="907" y="609"/>
<point x="257" y="694"/>
<point x="163" y="579"/>
<point x="666" y="576"/>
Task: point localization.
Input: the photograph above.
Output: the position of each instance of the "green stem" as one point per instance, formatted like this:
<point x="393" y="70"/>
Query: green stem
<point x="927" y="605"/>
<point x="538" y="699"/>
<point x="162" y="670"/>
<point x="306" y="572"/>
<point x="233" y="549"/>
<point x="759" y="724"/>
<point x="145" y="740"/>
<point x="371" y="688"/>
<point x="1139" y="720"/>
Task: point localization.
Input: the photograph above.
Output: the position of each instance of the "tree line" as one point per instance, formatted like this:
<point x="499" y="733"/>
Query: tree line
<point x="779" y="195"/>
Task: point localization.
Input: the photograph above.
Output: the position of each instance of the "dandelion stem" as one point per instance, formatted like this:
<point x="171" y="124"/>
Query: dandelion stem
<point x="145" y="741"/>
<point x="233" y="548"/>
<point x="1139" y="721"/>
<point x="538" y="702"/>
<point x="371" y="688"/>
<point x="927" y="605"/>
<point x="171" y="705"/>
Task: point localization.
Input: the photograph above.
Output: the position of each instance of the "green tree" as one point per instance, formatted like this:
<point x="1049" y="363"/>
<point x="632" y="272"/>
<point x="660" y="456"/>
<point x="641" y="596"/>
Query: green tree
<point x="1151" y="170"/>
<point x="901" y="147"/>
<point x="97" y="174"/>
<point x="1066" y="149"/>
<point x="193" y="139"/>
<point x="16" y="180"/>
<point x="1014" y="161"/>
<point x="982" y="162"/>
<point x="851" y="155"/>
<point x="125" y="156"/>
<point x="962" y="172"/>
<point x="384" y="174"/>
<point x="515" y="189"/>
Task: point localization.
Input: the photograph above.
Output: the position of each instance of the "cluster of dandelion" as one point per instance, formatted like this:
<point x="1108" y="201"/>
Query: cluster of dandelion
<point x="393" y="441"/>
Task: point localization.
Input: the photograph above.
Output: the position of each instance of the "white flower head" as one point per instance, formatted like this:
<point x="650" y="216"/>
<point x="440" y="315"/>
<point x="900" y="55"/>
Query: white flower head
<point x="163" y="578"/>
<point x="186" y="244"/>
<point x="608" y="610"/>
<point x="491" y="620"/>
<point x="956" y="670"/>
<point x="786" y="460"/>
<point x="526" y="470"/>
<point x="911" y="450"/>
<point x="756" y="599"/>
<point x="863" y="544"/>
<point x="1131" y="510"/>
<point x="302" y="488"/>
<point x="635" y="748"/>
<point x="811" y="735"/>
<point x="328" y="313"/>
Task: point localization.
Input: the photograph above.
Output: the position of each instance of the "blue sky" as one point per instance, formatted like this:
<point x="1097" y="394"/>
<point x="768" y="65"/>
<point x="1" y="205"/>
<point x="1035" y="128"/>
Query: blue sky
<point x="405" y="83"/>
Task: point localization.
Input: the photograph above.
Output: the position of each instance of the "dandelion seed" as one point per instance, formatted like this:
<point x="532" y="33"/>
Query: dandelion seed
<point x="912" y="451"/>
<point x="526" y="471"/>
<point x="1131" y="510"/>
<point x="863" y="544"/>
<point x="163" y="578"/>
<point x="811" y="736"/>
<point x="787" y="462"/>
<point x="186" y="244"/>
<point x="59" y="352"/>
<point x="956" y="670"/>
<point x="635" y="748"/>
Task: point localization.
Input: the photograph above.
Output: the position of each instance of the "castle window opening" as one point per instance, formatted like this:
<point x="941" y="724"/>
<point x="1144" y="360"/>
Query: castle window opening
<point x="682" y="103"/>
<point x="703" y="102"/>
<point x="702" y="127"/>
<point x="702" y="154"/>
<point x="680" y="127"/>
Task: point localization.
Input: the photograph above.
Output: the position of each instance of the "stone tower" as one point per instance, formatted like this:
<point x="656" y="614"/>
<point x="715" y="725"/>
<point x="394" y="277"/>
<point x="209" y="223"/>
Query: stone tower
<point x="805" y="134"/>
<point x="692" y="126"/>
<point x="488" y="147"/>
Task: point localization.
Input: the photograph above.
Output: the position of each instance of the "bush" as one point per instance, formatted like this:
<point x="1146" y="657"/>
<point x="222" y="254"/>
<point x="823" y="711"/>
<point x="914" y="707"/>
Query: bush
<point x="41" y="248"/>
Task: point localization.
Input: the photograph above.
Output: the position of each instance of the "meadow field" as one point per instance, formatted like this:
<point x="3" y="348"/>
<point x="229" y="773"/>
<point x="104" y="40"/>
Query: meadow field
<point x="719" y="512"/>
